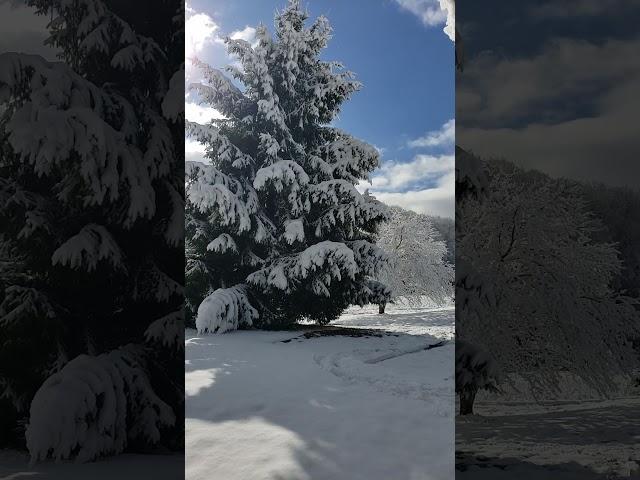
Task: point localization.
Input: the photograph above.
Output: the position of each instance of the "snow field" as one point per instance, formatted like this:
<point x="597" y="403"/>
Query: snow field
<point x="581" y="440"/>
<point x="321" y="408"/>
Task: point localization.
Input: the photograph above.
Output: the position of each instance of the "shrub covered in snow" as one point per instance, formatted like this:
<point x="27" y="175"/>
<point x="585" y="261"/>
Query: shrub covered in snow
<point x="275" y="229"/>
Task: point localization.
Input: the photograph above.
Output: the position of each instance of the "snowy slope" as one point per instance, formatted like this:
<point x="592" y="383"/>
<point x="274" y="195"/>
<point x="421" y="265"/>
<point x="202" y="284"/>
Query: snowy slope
<point x="332" y="407"/>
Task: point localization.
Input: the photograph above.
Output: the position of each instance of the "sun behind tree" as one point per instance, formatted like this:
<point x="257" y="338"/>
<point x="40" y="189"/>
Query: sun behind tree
<point x="275" y="228"/>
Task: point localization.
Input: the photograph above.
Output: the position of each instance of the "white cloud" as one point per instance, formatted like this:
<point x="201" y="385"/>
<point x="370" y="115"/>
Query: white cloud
<point x="450" y="27"/>
<point x="581" y="8"/>
<point x="433" y="13"/>
<point x="444" y="137"/>
<point x="200" y="31"/>
<point x="195" y="112"/>
<point x="380" y="150"/>
<point x="403" y="183"/>
<point x="597" y="144"/>
<point x="247" y="33"/>
<point x="201" y="38"/>
<point x="496" y="90"/>
<point x="439" y="200"/>
<point x="397" y="183"/>
<point x="428" y="11"/>
<point x="397" y="176"/>
<point x="193" y="151"/>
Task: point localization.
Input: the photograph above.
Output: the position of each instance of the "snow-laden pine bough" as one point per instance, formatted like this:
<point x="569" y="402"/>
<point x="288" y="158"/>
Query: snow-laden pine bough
<point x="91" y="205"/>
<point x="275" y="229"/>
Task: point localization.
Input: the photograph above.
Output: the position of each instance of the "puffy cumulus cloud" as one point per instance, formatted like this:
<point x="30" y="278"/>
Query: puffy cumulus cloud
<point x="247" y="33"/>
<point x="450" y="26"/>
<point x="439" y="200"/>
<point x="426" y="184"/>
<point x="200" y="32"/>
<point x="193" y="151"/>
<point x="569" y="110"/>
<point x="444" y="137"/>
<point x="195" y="112"/>
<point x="433" y="13"/>
<point x="203" y="40"/>
<point x="501" y="91"/>
<point x="422" y="169"/>
<point x="579" y="8"/>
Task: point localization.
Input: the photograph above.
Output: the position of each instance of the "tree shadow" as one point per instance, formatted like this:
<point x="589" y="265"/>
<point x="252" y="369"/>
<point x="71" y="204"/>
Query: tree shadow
<point x="474" y="467"/>
<point x="321" y="447"/>
<point x="620" y="425"/>
<point x="605" y="438"/>
<point x="14" y="465"/>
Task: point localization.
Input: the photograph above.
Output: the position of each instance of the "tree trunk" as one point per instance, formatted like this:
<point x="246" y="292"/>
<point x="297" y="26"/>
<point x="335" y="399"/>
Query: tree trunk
<point x="381" y="307"/>
<point x="467" y="397"/>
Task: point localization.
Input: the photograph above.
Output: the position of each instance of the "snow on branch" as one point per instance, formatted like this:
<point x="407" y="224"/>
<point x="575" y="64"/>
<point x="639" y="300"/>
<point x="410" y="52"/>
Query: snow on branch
<point x="196" y="172"/>
<point x="280" y="174"/>
<point x="219" y="145"/>
<point x="88" y="247"/>
<point x="221" y="93"/>
<point x="167" y="330"/>
<point x="174" y="232"/>
<point x="370" y="257"/>
<point x="371" y="291"/>
<point x="323" y="262"/>
<point x="222" y="244"/>
<point x="224" y="310"/>
<point x="66" y="118"/>
<point x="173" y="102"/>
<point x="349" y="216"/>
<point x="289" y="175"/>
<point x="95" y="406"/>
<point x="230" y="207"/>
<point x="475" y="369"/>
<point x="23" y="302"/>
<point x="294" y="231"/>
<point x="345" y="157"/>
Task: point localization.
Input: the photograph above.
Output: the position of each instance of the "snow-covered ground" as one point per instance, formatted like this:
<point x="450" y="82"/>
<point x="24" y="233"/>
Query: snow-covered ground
<point x="562" y="440"/>
<point x="15" y="465"/>
<point x="278" y="405"/>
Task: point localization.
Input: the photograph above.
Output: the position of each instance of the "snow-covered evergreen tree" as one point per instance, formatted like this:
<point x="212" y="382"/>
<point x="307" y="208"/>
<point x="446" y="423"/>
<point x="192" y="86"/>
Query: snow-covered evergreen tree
<point x="275" y="228"/>
<point x="417" y="269"/>
<point x="91" y="204"/>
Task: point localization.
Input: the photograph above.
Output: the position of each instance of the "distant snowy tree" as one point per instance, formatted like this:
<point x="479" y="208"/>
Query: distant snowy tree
<point x="446" y="231"/>
<point x="275" y="228"/>
<point x="538" y="293"/>
<point x="91" y="208"/>
<point x="417" y="266"/>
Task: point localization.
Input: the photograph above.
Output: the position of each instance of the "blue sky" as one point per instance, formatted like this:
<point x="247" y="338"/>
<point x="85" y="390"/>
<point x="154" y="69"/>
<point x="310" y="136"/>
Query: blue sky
<point x="399" y="51"/>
